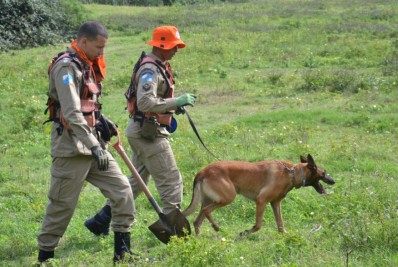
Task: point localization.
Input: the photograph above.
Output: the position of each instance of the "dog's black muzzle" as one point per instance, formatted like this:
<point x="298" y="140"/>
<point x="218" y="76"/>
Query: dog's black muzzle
<point x="328" y="179"/>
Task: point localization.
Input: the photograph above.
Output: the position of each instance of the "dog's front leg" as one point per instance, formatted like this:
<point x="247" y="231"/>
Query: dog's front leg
<point x="260" y="208"/>
<point x="276" y="207"/>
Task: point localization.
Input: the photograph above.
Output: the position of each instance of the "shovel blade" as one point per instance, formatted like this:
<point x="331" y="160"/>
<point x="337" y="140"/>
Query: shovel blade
<point x="171" y="224"/>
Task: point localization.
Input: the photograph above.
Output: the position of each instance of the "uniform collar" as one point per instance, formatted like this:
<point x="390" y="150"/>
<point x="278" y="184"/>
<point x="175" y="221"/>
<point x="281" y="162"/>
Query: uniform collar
<point x="157" y="59"/>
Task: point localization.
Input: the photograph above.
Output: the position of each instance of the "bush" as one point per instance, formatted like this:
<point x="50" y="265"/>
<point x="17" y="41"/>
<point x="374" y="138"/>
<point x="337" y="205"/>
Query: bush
<point x="29" y="23"/>
<point x="129" y="2"/>
<point x="338" y="81"/>
<point x="156" y="2"/>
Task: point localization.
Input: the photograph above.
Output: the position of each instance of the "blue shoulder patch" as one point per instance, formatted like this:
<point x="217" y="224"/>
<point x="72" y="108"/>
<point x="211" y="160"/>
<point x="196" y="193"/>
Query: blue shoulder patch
<point x="67" y="79"/>
<point x="147" y="77"/>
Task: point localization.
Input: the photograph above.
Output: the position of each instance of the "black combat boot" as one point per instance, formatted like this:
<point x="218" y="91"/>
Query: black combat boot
<point x="122" y="246"/>
<point x="45" y="255"/>
<point x="99" y="224"/>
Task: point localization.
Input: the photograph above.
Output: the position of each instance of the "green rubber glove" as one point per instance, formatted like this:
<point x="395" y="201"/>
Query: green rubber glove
<point x="185" y="99"/>
<point x="101" y="157"/>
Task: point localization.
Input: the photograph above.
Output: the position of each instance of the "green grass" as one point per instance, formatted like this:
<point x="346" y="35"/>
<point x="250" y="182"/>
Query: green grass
<point x="274" y="79"/>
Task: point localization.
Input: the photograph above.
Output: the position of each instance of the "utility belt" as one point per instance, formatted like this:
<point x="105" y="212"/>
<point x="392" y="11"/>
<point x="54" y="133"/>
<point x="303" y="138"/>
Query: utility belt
<point x="91" y="118"/>
<point x="150" y="122"/>
<point x="162" y="119"/>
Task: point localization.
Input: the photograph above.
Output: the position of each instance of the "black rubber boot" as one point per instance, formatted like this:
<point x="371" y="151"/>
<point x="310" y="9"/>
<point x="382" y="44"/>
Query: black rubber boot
<point x="99" y="224"/>
<point x="122" y="246"/>
<point x="45" y="255"/>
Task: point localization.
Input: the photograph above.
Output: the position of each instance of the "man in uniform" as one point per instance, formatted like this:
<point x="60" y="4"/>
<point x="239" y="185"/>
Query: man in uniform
<point x="148" y="129"/>
<point x="78" y="143"/>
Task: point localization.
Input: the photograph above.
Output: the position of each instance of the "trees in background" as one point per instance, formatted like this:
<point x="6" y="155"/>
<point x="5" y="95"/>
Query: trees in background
<point x="30" y="23"/>
<point x="130" y="2"/>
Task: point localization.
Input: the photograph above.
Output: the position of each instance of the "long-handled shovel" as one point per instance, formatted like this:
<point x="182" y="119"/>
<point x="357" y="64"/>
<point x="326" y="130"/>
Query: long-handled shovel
<point x="171" y="224"/>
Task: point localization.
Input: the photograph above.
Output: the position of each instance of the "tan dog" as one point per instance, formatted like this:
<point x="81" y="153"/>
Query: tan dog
<point x="264" y="182"/>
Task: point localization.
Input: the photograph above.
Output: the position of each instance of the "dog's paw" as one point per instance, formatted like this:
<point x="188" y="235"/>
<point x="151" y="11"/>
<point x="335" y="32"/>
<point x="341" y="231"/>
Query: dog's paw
<point x="282" y="230"/>
<point x="197" y="231"/>
<point x="215" y="227"/>
<point x="245" y="233"/>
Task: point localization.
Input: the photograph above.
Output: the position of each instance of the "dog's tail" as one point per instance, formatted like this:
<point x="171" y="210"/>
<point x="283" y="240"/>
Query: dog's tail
<point x="196" y="198"/>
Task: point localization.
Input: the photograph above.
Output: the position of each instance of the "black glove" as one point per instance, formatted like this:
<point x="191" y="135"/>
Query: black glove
<point x="180" y="110"/>
<point x="101" y="157"/>
<point x="106" y="127"/>
<point x="112" y="127"/>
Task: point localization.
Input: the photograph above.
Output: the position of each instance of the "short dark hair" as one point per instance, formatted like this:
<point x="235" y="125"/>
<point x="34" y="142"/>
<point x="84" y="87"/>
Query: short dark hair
<point x="91" y="29"/>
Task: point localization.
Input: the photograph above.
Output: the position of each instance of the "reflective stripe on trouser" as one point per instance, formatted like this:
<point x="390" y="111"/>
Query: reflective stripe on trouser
<point x="68" y="176"/>
<point x="156" y="158"/>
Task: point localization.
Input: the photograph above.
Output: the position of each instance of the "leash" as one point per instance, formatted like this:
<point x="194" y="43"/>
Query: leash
<point x="183" y="110"/>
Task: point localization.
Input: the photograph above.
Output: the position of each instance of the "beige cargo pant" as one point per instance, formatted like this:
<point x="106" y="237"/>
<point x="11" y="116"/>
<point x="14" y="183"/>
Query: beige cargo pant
<point x="68" y="176"/>
<point x="156" y="158"/>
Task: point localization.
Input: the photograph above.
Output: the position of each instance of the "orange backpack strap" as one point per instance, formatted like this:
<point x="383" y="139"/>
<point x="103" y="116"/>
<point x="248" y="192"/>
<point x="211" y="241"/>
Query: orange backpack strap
<point x="89" y="107"/>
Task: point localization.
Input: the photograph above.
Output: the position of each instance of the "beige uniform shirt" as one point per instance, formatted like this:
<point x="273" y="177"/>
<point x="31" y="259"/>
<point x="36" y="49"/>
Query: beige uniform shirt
<point x="150" y="91"/>
<point x="65" y="85"/>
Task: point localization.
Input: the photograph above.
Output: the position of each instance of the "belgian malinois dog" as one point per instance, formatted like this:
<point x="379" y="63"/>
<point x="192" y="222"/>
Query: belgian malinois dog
<point x="263" y="182"/>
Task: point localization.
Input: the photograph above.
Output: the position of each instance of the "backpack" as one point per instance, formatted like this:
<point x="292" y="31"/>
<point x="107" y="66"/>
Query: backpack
<point x="53" y="105"/>
<point x="89" y="107"/>
<point x="131" y="92"/>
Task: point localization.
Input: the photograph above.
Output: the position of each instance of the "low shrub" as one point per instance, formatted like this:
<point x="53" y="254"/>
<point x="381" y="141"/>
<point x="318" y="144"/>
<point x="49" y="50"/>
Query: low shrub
<point x="338" y="81"/>
<point x="30" y="23"/>
<point x="128" y="2"/>
<point x="156" y="2"/>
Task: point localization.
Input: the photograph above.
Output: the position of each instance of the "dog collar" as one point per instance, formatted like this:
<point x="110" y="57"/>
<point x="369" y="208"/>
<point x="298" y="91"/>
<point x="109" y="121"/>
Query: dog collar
<point x="302" y="176"/>
<point x="292" y="173"/>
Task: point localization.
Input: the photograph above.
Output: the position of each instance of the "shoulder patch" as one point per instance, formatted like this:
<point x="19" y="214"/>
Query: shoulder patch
<point x="147" y="86"/>
<point x="67" y="79"/>
<point x="147" y="76"/>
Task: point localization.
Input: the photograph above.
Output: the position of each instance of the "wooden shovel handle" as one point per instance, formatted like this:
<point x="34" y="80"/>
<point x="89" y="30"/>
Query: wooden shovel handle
<point x="120" y="150"/>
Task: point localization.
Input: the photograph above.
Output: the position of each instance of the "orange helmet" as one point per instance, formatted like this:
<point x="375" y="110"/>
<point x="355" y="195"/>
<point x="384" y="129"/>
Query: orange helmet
<point x="166" y="37"/>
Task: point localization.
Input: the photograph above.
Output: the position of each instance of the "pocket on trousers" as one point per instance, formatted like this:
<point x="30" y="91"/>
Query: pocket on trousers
<point x="151" y="148"/>
<point x="61" y="173"/>
<point x="63" y="168"/>
<point x="162" y="160"/>
<point x="55" y="188"/>
<point x="149" y="130"/>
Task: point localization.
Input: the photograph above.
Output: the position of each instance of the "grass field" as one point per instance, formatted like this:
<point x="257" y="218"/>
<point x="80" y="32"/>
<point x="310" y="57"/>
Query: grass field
<point x="274" y="79"/>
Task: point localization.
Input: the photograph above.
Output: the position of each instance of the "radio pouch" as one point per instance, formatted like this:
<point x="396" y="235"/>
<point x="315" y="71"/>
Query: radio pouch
<point x="149" y="129"/>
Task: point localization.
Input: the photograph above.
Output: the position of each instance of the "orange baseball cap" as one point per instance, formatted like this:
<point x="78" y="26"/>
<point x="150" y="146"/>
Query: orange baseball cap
<point x="166" y="37"/>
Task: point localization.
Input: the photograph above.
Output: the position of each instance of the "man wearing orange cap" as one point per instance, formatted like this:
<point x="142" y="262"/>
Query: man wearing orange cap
<point x="78" y="144"/>
<point x="151" y="94"/>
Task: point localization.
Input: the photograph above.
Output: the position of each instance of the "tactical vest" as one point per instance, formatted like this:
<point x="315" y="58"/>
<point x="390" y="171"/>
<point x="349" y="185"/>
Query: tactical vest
<point x="131" y="92"/>
<point x="89" y="94"/>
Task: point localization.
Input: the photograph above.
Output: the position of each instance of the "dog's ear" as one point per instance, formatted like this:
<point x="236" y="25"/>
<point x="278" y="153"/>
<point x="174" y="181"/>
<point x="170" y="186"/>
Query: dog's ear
<point x="302" y="159"/>
<point x="311" y="162"/>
